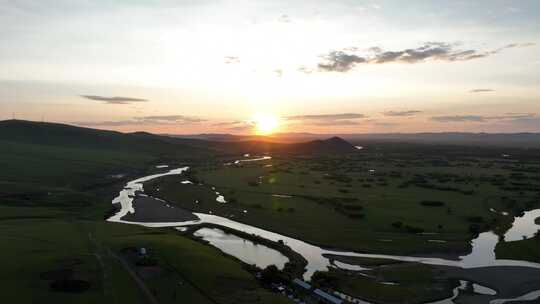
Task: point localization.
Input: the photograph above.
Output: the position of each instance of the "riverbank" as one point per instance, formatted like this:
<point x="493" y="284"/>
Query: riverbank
<point x="296" y="265"/>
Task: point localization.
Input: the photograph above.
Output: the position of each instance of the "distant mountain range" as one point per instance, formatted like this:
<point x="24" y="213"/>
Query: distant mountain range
<point x="514" y="140"/>
<point x="204" y="145"/>
<point x="67" y="136"/>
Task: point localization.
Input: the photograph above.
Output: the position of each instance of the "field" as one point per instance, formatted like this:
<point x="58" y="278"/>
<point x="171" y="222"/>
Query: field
<point x="366" y="202"/>
<point x="49" y="246"/>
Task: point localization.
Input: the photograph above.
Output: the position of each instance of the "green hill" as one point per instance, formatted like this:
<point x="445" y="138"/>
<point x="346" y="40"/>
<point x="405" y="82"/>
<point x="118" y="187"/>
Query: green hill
<point x="45" y="163"/>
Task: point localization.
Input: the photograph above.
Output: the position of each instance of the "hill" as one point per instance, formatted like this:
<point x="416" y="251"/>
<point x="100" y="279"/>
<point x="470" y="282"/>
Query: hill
<point x="39" y="155"/>
<point x="334" y="145"/>
<point x="61" y="135"/>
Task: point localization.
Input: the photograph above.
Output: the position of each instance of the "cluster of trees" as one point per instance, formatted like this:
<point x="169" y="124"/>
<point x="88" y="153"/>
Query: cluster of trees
<point x="423" y="182"/>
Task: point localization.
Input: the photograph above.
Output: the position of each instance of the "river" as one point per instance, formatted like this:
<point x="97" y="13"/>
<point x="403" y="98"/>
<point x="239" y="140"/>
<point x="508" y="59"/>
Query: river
<point x="482" y="253"/>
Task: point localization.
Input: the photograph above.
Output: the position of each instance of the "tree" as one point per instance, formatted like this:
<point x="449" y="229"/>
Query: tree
<point x="271" y="274"/>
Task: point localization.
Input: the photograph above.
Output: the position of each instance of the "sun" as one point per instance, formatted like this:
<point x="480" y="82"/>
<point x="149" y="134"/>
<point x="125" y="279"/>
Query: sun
<point x="265" y="124"/>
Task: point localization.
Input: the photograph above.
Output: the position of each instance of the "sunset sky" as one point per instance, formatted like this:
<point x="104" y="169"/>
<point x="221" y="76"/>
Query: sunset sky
<point x="301" y="66"/>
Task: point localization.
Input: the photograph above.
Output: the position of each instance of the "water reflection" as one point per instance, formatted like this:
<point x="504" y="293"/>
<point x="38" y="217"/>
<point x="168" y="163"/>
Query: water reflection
<point x="244" y="250"/>
<point x="523" y="226"/>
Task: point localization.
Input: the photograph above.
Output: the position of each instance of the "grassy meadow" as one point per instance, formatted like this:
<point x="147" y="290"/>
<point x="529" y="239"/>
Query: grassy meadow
<point x="361" y="202"/>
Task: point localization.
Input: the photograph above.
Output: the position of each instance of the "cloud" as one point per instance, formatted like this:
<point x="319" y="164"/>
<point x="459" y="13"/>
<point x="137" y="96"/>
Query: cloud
<point x="483" y="118"/>
<point x="513" y="116"/>
<point x="459" y="118"/>
<point x="532" y="123"/>
<point x="402" y="113"/>
<point x="232" y="60"/>
<point x="345" y="60"/>
<point x="481" y="90"/>
<point x="339" y="61"/>
<point x="341" y="119"/>
<point x="236" y="125"/>
<point x="114" y="100"/>
<point x="335" y="123"/>
<point x="242" y="128"/>
<point x="386" y="124"/>
<point x="169" y="118"/>
<point x="226" y="123"/>
<point x="326" y="116"/>
<point x="117" y="123"/>
<point x="144" y="120"/>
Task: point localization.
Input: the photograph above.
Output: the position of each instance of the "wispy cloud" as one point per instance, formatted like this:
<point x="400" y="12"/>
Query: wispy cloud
<point x="242" y="128"/>
<point x="236" y="125"/>
<point x="326" y="116"/>
<point x="111" y="123"/>
<point x="402" y="113"/>
<point x="385" y="124"/>
<point x="170" y="118"/>
<point x="346" y="60"/>
<point x="114" y="100"/>
<point x="344" y="122"/>
<point x="340" y="119"/>
<point x="532" y="123"/>
<point x="226" y="123"/>
<point x="459" y="118"/>
<point x="483" y="118"/>
<point x="481" y="90"/>
<point x="144" y="120"/>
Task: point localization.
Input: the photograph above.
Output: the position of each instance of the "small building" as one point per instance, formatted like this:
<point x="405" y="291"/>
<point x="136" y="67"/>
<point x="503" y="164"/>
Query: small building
<point x="142" y="251"/>
<point x="328" y="298"/>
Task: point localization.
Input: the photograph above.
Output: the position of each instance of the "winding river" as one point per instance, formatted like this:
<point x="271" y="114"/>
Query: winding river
<point x="482" y="247"/>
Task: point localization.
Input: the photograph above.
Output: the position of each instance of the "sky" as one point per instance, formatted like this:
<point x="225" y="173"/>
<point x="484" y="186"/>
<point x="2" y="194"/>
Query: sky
<point x="344" y="66"/>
